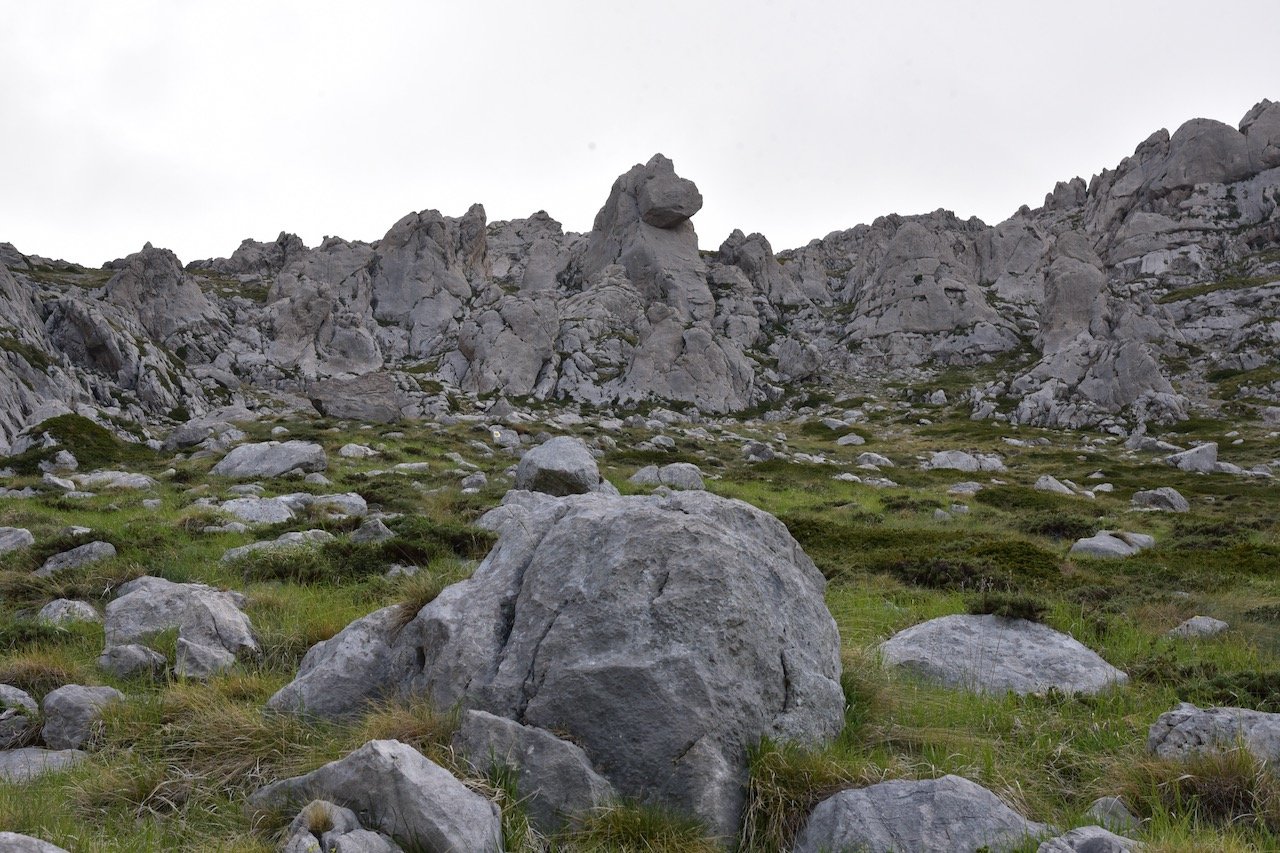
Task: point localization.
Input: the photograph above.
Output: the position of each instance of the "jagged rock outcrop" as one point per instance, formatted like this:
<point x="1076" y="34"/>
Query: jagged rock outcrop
<point x="1108" y="305"/>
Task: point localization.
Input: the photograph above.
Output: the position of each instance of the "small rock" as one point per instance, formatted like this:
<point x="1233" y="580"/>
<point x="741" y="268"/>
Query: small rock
<point x="70" y="712"/>
<point x="850" y="440"/>
<point x="12" y="842"/>
<point x="1112" y="813"/>
<point x="476" y="481"/>
<point x="1088" y="839"/>
<point x="18" y="712"/>
<point x="258" y="510"/>
<point x="1047" y="483"/>
<point x="84" y="555"/>
<point x="65" y="611"/>
<point x="1201" y="459"/>
<point x="1164" y="499"/>
<point x="1199" y="626"/>
<point x="372" y="530"/>
<point x="561" y="466"/>
<point x="1112" y="544"/>
<point x="131" y="659"/>
<point x="357" y="451"/>
<point x="23" y="765"/>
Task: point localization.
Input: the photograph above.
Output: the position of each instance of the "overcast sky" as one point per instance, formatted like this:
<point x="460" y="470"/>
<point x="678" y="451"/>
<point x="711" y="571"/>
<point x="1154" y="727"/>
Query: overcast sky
<point x="194" y="125"/>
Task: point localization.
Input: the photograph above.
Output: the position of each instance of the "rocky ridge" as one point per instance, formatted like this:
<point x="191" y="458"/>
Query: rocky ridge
<point x="1109" y="305"/>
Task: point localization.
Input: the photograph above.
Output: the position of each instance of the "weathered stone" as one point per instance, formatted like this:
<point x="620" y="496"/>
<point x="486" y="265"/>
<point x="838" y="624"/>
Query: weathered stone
<point x="395" y="789"/>
<point x="83" y="555"/>
<point x="70" y="712"/>
<point x="1201" y="459"/>
<point x="258" y="510"/>
<point x="1199" y="626"/>
<point x="114" y="480"/>
<point x="950" y="813"/>
<point x="132" y="659"/>
<point x="554" y="778"/>
<point x="561" y="466"/>
<point x="200" y="661"/>
<point x="372" y="530"/>
<point x="65" y="611"/>
<point x="23" y="765"/>
<point x="1188" y="731"/>
<point x="994" y="654"/>
<point x="1089" y="839"/>
<point x="203" y="615"/>
<point x="1109" y="544"/>
<point x="1046" y="483"/>
<point x="15" y="538"/>
<point x="271" y="459"/>
<point x="18" y="712"/>
<point x="12" y="842"/>
<point x="1165" y="498"/>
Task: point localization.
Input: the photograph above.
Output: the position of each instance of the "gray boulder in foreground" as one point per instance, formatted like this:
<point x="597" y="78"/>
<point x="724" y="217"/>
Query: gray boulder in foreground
<point x="70" y="712"/>
<point x="619" y="623"/>
<point x="947" y="815"/>
<point x="23" y="765"/>
<point x="554" y="778"/>
<point x="395" y="789"/>
<point x="1188" y="731"/>
<point x="271" y="459"/>
<point x="993" y="654"/>
<point x="560" y="466"/>
<point x="12" y="842"/>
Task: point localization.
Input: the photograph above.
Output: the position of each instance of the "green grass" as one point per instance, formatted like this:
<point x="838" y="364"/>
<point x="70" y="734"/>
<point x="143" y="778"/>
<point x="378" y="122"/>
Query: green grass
<point x="173" y="765"/>
<point x="1235" y="282"/>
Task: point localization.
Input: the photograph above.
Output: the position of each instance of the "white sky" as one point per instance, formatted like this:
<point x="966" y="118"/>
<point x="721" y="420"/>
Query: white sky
<point x="195" y="124"/>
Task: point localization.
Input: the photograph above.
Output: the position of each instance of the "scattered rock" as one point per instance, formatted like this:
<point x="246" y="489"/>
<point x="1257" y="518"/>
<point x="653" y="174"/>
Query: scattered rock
<point x="64" y="611"/>
<point x="554" y="778"/>
<point x="677" y="475"/>
<point x="357" y="451"/>
<point x="14" y="538"/>
<point x="395" y="789"/>
<point x="91" y="552"/>
<point x="70" y="712"/>
<point x="271" y="459"/>
<point x="993" y="654"/>
<point x="1188" y="731"/>
<point x="1089" y="839"/>
<point x="131" y="659"/>
<point x="959" y="460"/>
<point x="23" y="765"/>
<point x="950" y="813"/>
<point x="258" y="510"/>
<point x="18" y="712"/>
<point x="114" y="481"/>
<point x="372" y="530"/>
<point x="1047" y="483"/>
<point x="475" y="482"/>
<point x="850" y="440"/>
<point x="1112" y="544"/>
<point x="1199" y="626"/>
<point x="12" y="842"/>
<point x="561" y="466"/>
<point x="1202" y="459"/>
<point x="1112" y="813"/>
<point x="293" y="539"/>
<point x="1165" y="498"/>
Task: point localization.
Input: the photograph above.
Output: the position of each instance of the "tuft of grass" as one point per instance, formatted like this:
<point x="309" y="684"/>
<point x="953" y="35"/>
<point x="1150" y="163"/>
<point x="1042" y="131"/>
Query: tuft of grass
<point x="38" y="672"/>
<point x="633" y="828"/>
<point x="786" y="781"/>
<point x="1009" y="605"/>
<point x="1223" y="789"/>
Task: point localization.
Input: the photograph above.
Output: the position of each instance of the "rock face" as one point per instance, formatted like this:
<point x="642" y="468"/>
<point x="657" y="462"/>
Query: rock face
<point x="994" y="654"/>
<point x="949" y="813"/>
<point x="618" y="622"/>
<point x="271" y="459"/>
<point x="395" y="789"/>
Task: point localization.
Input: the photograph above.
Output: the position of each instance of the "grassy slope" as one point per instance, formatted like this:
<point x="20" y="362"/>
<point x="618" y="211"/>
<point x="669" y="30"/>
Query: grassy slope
<point x="175" y="762"/>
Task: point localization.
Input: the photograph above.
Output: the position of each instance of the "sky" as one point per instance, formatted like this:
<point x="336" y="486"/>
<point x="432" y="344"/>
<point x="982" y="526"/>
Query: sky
<point x="193" y="125"/>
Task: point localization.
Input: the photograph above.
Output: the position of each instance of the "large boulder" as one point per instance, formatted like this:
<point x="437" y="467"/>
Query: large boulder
<point x="947" y="814"/>
<point x="994" y="654"/>
<point x="271" y="459"/>
<point x="617" y="623"/>
<point x="561" y="466"/>
<point x="395" y="789"/>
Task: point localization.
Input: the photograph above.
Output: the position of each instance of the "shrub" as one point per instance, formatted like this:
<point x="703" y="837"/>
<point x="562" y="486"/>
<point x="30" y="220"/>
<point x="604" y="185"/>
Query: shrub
<point x="1008" y="605"/>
